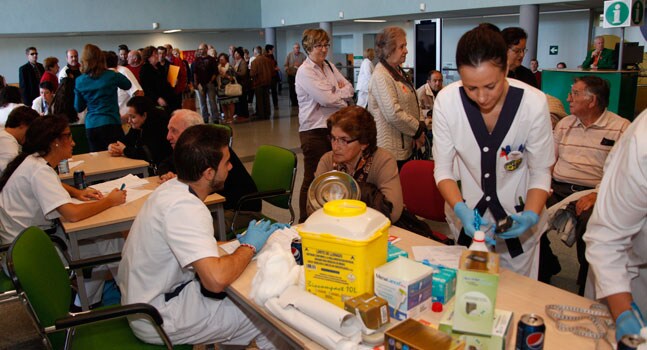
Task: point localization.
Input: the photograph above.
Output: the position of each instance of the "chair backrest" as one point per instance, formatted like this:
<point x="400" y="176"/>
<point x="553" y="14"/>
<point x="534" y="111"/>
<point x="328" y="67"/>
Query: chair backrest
<point x="275" y="168"/>
<point x="81" y="145"/>
<point x="419" y="191"/>
<point x="37" y="270"/>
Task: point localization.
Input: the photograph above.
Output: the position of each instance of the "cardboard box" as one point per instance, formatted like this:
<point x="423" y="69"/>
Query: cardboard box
<point x="373" y="310"/>
<point x="406" y="286"/>
<point x="411" y="334"/>
<point x="498" y="339"/>
<point x="477" y="282"/>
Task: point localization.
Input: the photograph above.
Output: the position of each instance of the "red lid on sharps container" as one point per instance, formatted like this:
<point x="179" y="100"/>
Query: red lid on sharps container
<point x="437" y="306"/>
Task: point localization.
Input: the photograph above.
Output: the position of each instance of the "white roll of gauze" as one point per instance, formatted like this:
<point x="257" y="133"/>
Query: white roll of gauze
<point x="312" y="329"/>
<point x="326" y="313"/>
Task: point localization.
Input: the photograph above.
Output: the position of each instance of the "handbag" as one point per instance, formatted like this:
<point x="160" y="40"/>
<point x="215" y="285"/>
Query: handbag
<point x="233" y="89"/>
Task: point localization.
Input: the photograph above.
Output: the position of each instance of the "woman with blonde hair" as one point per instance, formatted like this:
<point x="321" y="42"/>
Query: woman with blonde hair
<point x="321" y="91"/>
<point x="392" y="98"/>
<point x="96" y="89"/>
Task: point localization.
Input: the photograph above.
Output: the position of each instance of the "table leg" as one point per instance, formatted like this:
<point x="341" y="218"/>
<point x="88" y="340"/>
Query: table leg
<point x="75" y="254"/>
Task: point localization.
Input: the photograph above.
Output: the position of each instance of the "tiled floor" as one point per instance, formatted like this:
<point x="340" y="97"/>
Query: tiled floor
<point x="281" y="130"/>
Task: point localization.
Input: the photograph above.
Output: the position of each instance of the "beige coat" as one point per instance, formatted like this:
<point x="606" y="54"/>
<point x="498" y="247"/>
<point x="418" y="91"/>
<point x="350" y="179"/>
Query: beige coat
<point x="394" y="106"/>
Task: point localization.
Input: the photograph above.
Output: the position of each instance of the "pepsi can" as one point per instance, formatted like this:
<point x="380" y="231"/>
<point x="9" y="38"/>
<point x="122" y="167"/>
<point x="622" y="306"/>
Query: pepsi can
<point x="63" y="167"/>
<point x="630" y="342"/>
<point x="297" y="250"/>
<point x="79" y="179"/>
<point x="531" y="332"/>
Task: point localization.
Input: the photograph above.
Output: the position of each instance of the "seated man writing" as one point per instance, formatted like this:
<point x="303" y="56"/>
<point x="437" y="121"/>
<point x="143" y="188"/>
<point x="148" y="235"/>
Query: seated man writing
<point x="582" y="142"/>
<point x="171" y="259"/>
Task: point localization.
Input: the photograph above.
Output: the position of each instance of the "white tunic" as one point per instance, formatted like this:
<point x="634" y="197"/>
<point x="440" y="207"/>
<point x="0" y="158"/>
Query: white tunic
<point x="364" y="76"/>
<point x="173" y="230"/>
<point x="9" y="149"/>
<point x="30" y="198"/>
<point x="616" y="236"/>
<point x="455" y="144"/>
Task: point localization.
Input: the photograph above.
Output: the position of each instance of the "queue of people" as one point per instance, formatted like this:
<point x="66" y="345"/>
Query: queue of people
<point x="492" y="134"/>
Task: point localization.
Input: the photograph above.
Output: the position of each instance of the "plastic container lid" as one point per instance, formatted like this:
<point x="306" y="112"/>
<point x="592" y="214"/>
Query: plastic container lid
<point x="346" y="218"/>
<point x="437" y="306"/>
<point x="479" y="236"/>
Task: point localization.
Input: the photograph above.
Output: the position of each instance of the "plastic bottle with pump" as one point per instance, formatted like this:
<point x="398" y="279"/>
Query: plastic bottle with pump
<point x="478" y="242"/>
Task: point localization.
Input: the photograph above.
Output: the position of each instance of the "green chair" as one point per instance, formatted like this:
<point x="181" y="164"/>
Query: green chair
<point x="80" y="139"/>
<point x="7" y="289"/>
<point x="273" y="172"/>
<point x="37" y="271"/>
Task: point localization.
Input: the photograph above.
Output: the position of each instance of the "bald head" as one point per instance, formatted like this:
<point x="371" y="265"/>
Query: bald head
<point x="180" y="120"/>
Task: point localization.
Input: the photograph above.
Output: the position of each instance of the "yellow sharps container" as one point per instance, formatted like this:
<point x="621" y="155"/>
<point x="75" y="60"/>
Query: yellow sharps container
<point x="342" y="243"/>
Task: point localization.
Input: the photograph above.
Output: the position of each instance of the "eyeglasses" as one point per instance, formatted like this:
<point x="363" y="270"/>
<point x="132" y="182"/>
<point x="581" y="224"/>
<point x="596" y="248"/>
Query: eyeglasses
<point x="340" y="140"/>
<point x="320" y="46"/>
<point x="578" y="93"/>
<point x="518" y="51"/>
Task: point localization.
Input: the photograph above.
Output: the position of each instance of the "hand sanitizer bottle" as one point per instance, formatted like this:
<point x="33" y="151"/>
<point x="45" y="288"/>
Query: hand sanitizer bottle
<point x="478" y="242"/>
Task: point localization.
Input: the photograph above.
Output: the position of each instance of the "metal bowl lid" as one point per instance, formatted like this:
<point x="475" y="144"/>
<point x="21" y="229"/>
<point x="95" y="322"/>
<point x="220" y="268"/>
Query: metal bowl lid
<point x="330" y="186"/>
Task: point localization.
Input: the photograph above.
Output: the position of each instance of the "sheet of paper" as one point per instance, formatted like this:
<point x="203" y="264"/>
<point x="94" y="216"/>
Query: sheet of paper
<point x="73" y="163"/>
<point x="131" y="196"/>
<point x="131" y="181"/>
<point x="173" y="72"/>
<point x="440" y="255"/>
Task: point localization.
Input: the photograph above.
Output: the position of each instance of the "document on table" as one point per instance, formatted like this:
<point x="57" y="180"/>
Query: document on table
<point x="131" y="181"/>
<point x="74" y="164"/>
<point x="440" y="255"/>
<point x="132" y="195"/>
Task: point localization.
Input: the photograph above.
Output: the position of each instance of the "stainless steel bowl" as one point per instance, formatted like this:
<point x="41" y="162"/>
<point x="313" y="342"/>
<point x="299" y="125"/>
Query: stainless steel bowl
<point x="330" y="186"/>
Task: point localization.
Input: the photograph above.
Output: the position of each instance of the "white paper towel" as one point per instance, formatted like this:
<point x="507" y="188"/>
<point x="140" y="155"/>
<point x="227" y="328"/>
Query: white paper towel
<point x="328" y="314"/>
<point x="312" y="329"/>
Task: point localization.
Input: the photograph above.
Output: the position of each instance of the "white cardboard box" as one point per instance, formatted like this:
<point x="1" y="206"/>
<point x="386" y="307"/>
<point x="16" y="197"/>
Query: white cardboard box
<point x="406" y="286"/>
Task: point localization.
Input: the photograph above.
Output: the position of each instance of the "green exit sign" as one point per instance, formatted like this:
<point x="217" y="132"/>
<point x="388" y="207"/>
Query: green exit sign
<point x="553" y="50"/>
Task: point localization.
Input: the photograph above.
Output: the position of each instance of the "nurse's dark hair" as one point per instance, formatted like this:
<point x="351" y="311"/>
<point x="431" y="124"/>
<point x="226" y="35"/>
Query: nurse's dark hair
<point x="41" y="134"/>
<point x="597" y="87"/>
<point x="482" y="44"/>
<point x="358" y="123"/>
<point x="199" y="148"/>
<point x="141" y="104"/>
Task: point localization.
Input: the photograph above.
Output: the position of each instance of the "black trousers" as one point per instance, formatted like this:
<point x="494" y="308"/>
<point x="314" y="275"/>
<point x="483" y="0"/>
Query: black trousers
<point x="263" y="109"/>
<point x="100" y="137"/>
<point x="548" y="261"/>
<point x="314" y="144"/>
<point x="293" y="91"/>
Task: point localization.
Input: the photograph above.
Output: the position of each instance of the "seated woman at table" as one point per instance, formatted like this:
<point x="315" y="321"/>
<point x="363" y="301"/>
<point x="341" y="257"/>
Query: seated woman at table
<point x="353" y="138"/>
<point x="31" y="193"/>
<point x="146" y="138"/>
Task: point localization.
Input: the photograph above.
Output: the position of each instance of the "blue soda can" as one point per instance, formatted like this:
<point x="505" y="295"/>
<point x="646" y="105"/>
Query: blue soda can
<point x="297" y="250"/>
<point x="630" y="342"/>
<point x="63" y="167"/>
<point x="79" y="179"/>
<point x="531" y="332"/>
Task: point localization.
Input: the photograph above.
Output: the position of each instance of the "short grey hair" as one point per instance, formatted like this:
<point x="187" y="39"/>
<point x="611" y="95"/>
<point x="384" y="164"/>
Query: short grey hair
<point x="188" y="117"/>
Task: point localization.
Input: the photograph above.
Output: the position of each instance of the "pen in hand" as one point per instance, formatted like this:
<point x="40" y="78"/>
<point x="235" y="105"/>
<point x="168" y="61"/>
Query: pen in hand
<point x="122" y="187"/>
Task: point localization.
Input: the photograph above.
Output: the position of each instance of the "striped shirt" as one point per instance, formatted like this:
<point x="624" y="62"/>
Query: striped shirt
<point x="581" y="151"/>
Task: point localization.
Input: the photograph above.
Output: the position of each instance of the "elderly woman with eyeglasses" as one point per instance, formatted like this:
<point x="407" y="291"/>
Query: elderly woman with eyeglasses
<point x="392" y="98"/>
<point x="352" y="135"/>
<point x="321" y="91"/>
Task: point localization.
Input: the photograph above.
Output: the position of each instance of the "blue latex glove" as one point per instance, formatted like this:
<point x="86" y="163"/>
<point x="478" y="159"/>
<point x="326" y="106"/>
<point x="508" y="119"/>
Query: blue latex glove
<point x="522" y="222"/>
<point x="471" y="222"/>
<point x="257" y="234"/>
<point x="628" y="322"/>
<point x="279" y="226"/>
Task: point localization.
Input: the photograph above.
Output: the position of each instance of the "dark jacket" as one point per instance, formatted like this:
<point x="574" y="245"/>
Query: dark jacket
<point x="149" y="143"/>
<point x="29" y="81"/>
<point x="524" y="74"/>
<point x="154" y="83"/>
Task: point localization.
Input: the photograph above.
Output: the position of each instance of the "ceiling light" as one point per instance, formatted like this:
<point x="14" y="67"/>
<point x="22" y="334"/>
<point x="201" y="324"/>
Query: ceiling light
<point x="370" y="20"/>
<point x="172" y="31"/>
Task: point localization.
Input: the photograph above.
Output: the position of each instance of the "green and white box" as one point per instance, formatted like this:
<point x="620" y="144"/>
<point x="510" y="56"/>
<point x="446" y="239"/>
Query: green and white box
<point x="477" y="282"/>
<point x="498" y="339"/>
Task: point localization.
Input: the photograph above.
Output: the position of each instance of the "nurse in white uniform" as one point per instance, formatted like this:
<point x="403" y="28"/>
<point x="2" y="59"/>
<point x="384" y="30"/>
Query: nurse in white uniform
<point x="31" y="193"/>
<point x="494" y="135"/>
